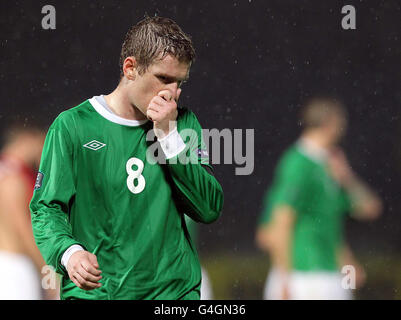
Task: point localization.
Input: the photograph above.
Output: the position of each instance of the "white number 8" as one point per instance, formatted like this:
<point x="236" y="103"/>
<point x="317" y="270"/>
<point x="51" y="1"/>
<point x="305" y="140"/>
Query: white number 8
<point x="135" y="175"/>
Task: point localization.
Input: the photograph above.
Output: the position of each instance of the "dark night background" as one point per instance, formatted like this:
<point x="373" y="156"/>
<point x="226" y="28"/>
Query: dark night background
<point x="256" y="62"/>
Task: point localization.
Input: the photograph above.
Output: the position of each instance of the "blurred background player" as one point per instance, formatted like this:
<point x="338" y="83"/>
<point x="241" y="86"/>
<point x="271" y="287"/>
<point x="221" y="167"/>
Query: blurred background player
<point x="20" y="260"/>
<point x="301" y="226"/>
<point x="206" y="292"/>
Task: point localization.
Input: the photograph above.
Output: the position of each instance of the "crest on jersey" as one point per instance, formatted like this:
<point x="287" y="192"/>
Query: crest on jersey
<point x="39" y="180"/>
<point x="202" y="153"/>
<point x="94" y="145"/>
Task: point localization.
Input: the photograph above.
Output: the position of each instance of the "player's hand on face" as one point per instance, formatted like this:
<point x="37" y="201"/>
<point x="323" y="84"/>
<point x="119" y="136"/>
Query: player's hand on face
<point x="162" y="110"/>
<point x="83" y="270"/>
<point x="339" y="166"/>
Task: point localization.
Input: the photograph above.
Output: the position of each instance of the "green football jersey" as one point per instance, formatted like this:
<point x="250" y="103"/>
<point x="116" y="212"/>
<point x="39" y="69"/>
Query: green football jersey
<point x="304" y="183"/>
<point x="96" y="188"/>
<point x="192" y="229"/>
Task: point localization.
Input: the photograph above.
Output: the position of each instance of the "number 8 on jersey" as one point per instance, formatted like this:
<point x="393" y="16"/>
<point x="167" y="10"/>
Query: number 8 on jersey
<point x="133" y="175"/>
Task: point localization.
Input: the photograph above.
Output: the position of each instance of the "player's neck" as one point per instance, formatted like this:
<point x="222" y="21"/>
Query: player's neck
<point x="119" y="103"/>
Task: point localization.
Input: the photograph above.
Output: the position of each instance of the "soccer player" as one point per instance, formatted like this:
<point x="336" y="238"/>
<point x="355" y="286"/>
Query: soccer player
<point x="104" y="214"/>
<point x="301" y="226"/>
<point x="20" y="260"/>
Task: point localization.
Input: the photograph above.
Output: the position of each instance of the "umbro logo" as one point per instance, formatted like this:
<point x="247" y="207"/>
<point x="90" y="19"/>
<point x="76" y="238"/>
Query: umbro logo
<point x="94" y="145"/>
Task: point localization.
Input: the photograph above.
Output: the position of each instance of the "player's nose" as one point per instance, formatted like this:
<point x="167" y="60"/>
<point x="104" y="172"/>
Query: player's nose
<point x="172" y="87"/>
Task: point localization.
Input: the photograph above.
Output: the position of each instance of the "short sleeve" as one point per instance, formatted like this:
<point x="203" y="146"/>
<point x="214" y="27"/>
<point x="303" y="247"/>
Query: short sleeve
<point x="288" y="188"/>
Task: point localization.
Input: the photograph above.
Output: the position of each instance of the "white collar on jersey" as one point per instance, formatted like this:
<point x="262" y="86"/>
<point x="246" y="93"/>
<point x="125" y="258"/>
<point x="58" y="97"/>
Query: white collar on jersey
<point x="100" y="105"/>
<point x="312" y="150"/>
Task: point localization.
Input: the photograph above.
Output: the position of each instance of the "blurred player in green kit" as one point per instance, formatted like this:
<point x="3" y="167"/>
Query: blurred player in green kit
<point x="301" y="226"/>
<point x="106" y="217"/>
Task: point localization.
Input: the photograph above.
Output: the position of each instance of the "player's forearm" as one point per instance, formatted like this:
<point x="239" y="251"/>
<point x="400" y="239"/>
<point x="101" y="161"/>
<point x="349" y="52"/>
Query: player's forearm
<point x="365" y="202"/>
<point x="52" y="232"/>
<point x="199" y="190"/>
<point x="32" y="250"/>
<point x="280" y="253"/>
<point x="357" y="190"/>
<point x="281" y="237"/>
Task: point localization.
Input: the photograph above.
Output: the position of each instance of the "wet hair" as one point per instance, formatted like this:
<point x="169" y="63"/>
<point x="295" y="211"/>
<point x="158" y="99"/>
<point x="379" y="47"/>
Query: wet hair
<point x="154" y="38"/>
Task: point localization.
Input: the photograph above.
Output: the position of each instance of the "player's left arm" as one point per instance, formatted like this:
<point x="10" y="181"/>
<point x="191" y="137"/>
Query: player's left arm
<point x="365" y="203"/>
<point x="191" y="173"/>
<point x="198" y="189"/>
<point x="187" y="162"/>
<point x="16" y="216"/>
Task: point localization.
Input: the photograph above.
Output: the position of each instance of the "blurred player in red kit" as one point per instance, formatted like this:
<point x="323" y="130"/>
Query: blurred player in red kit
<point x="20" y="260"/>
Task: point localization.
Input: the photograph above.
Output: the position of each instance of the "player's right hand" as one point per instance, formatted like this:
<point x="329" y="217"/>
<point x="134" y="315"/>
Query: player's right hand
<point x="285" y="292"/>
<point x="339" y="167"/>
<point x="162" y="110"/>
<point x="83" y="270"/>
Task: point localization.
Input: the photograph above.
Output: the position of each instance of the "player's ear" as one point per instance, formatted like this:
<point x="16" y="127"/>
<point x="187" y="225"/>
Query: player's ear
<point x="130" y="68"/>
